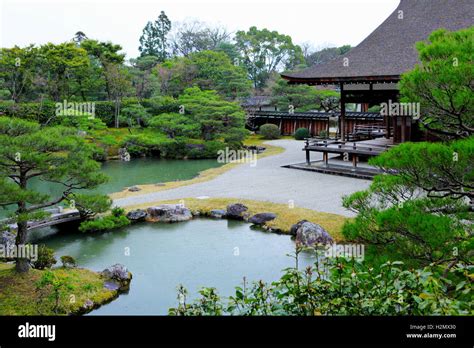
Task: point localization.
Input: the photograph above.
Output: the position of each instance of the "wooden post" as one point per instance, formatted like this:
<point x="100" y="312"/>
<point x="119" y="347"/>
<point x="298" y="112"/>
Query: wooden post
<point x="354" y="160"/>
<point x="325" y="158"/>
<point x="308" y="160"/>
<point x="342" y="117"/>
<point x="403" y="122"/>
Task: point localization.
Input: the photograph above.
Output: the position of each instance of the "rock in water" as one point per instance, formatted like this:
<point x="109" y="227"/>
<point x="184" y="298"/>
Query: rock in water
<point x="236" y="211"/>
<point x="310" y="234"/>
<point x="169" y="213"/>
<point x="137" y="215"/>
<point x="217" y="213"/>
<point x="261" y="218"/>
<point x="118" y="277"/>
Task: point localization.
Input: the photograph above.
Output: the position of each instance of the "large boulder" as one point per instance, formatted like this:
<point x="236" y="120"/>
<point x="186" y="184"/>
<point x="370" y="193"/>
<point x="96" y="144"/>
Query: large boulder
<point x="169" y="213"/>
<point x="310" y="234"/>
<point x="236" y="211"/>
<point x="261" y="218"/>
<point x="134" y="189"/>
<point x="137" y="215"/>
<point x="217" y="213"/>
<point x="117" y="277"/>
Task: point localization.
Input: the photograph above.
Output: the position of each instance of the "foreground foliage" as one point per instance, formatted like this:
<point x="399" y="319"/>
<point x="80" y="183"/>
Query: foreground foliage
<point x="341" y="287"/>
<point x="419" y="211"/>
<point x="442" y="83"/>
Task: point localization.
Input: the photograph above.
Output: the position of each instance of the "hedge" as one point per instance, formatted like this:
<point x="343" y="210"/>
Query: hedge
<point x="104" y="110"/>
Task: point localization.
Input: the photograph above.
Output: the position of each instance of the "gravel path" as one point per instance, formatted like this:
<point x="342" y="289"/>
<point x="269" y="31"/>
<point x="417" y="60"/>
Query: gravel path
<point x="268" y="181"/>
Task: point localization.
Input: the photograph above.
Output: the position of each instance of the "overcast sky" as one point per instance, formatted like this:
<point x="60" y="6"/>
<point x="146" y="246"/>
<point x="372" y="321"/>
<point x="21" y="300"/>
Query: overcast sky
<point x="319" y="22"/>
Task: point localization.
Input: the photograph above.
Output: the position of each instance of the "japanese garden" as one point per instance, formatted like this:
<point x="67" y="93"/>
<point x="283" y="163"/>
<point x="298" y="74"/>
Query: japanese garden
<point x="240" y="172"/>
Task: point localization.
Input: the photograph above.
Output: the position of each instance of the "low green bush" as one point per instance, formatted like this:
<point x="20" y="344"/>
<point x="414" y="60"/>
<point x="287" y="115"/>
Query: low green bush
<point x="301" y="133"/>
<point x="343" y="287"/>
<point x="45" y="258"/>
<point x="270" y="131"/>
<point x="323" y="134"/>
<point x="105" y="223"/>
<point x="68" y="261"/>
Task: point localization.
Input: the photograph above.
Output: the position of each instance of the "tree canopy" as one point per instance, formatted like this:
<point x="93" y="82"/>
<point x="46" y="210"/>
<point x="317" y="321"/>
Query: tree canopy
<point x="263" y="51"/>
<point x="443" y="83"/>
<point x="52" y="154"/>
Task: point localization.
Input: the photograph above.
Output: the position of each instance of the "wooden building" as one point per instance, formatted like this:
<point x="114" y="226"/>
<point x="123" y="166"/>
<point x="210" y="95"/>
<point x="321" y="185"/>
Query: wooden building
<point x="369" y="73"/>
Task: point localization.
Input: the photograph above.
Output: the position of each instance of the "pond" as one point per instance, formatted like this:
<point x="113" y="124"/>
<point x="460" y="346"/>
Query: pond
<point x="142" y="171"/>
<point x="197" y="253"/>
<point x="135" y="172"/>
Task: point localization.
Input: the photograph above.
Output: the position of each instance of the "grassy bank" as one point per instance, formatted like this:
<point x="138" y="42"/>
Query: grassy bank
<point x="286" y="216"/>
<point x="19" y="294"/>
<point x="209" y="174"/>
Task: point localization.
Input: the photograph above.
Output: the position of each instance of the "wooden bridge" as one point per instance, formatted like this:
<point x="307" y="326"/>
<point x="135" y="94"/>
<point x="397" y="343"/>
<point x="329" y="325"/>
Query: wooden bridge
<point x="53" y="219"/>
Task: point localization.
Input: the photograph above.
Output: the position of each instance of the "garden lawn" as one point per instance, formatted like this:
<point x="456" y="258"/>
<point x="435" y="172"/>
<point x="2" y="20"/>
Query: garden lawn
<point x="18" y="294"/>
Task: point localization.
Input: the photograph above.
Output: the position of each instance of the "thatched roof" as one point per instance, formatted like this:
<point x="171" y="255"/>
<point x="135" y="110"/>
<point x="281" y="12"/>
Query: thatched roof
<point x="390" y="49"/>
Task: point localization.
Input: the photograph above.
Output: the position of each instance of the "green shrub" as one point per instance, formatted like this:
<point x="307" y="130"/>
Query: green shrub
<point x="323" y="134"/>
<point x="118" y="211"/>
<point x="105" y="223"/>
<point x="45" y="259"/>
<point x="68" y="261"/>
<point x="342" y="287"/>
<point x="270" y="131"/>
<point x="301" y="133"/>
<point x="133" y="115"/>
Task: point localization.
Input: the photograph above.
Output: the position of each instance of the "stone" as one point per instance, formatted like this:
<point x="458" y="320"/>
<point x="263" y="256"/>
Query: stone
<point x="310" y="234"/>
<point x="88" y="304"/>
<point x="236" y="211"/>
<point x="117" y="277"/>
<point x="261" y="218"/>
<point x="256" y="148"/>
<point x="134" y="189"/>
<point x="7" y="238"/>
<point x="169" y="213"/>
<point x="137" y="215"/>
<point x="217" y="213"/>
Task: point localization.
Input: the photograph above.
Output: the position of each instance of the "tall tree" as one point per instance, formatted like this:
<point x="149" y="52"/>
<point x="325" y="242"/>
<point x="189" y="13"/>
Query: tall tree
<point x="264" y="51"/>
<point x="144" y="81"/>
<point x="102" y="55"/>
<point x="51" y="154"/>
<point x="17" y="70"/>
<point x="324" y="55"/>
<point x="443" y="83"/>
<point x="209" y="70"/>
<point x="195" y="36"/>
<point x="60" y="64"/>
<point x="153" y="41"/>
<point x="79" y="37"/>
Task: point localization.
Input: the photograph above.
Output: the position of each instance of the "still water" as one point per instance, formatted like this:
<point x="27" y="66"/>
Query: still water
<point x="196" y="253"/>
<point x="138" y="171"/>
<point x="141" y="171"/>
